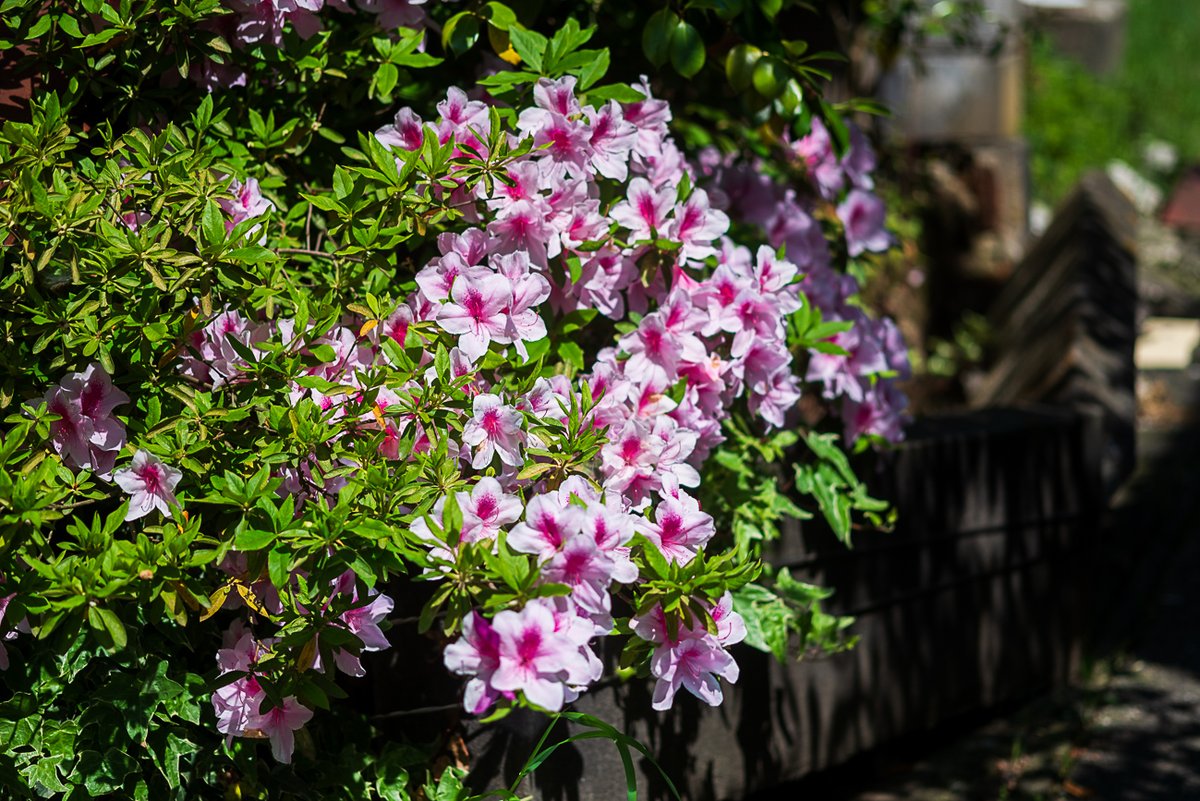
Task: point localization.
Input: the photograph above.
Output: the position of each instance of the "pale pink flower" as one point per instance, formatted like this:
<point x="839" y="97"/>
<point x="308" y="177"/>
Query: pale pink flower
<point x="629" y="462"/>
<point x="487" y="508"/>
<point x="612" y="140"/>
<point x="150" y="484"/>
<point x="656" y="354"/>
<point x="549" y="522"/>
<point x="679" y="529"/>
<point x="695" y="666"/>
<point x="235" y="704"/>
<point x="363" y="622"/>
<point x="645" y="210"/>
<point x="87" y="434"/>
<point x="279" y="724"/>
<point x="587" y="570"/>
<point x="495" y="429"/>
<point x="477" y="313"/>
<point x="476" y="654"/>
<point x="405" y="132"/>
<point x="534" y="658"/>
<point x="859" y="161"/>
<point x="816" y="150"/>
<point x="863" y="216"/>
<point x="557" y="96"/>
<point x="523" y="225"/>
<point x="247" y="203"/>
<point x="697" y="225"/>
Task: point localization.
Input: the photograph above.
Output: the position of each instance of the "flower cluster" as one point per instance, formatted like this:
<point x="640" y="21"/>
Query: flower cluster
<point x="872" y="355"/>
<point x="602" y="217"/>
<point x="86" y="434"/>
<point x="238" y="704"/>
<point x="257" y="22"/>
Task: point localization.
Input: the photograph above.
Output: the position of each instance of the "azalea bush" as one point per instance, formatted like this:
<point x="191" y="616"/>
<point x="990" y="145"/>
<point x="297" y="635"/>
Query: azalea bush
<point x="530" y="363"/>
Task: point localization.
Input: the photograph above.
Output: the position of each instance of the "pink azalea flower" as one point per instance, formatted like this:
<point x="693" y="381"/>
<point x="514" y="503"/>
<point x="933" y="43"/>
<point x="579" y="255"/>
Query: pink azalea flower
<point x="235" y="704"/>
<point x="486" y="508"/>
<point x="549" y="522"/>
<point x="471" y="245"/>
<point x="696" y="225"/>
<point x="363" y="622"/>
<point x="150" y="483"/>
<point x="588" y="571"/>
<point x="529" y="291"/>
<point x="534" y="658"/>
<point x="562" y="140"/>
<point x="557" y="96"/>
<point x="494" y="430"/>
<point x="782" y="393"/>
<point x="650" y="116"/>
<point x="816" y="150"/>
<point x="612" y="140"/>
<point x="644" y="210"/>
<point x="477" y="313"/>
<point x="395" y="327"/>
<point x="795" y="230"/>
<point x="881" y="412"/>
<point x="279" y="724"/>
<point x="476" y="654"/>
<point x="405" y="132"/>
<point x="693" y="658"/>
<point x="863" y="216"/>
<point x="846" y="374"/>
<point x="859" y="161"/>
<point x="248" y="203"/>
<point x="656" y="354"/>
<point x="462" y="118"/>
<point x="523" y="225"/>
<point x="22" y="626"/>
<point x="629" y="462"/>
<point x="87" y="434"/>
<point x="679" y="528"/>
<point x="774" y="276"/>
<point x="694" y="665"/>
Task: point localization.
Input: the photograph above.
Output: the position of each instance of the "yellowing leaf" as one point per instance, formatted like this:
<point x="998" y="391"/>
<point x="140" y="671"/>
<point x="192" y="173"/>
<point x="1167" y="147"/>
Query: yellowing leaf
<point x="215" y="603"/>
<point x="251" y="600"/>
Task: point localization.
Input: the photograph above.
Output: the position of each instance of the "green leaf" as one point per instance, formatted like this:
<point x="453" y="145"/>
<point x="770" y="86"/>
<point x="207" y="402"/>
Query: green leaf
<point x="212" y="224"/>
<point x="770" y="8"/>
<point x="620" y="92"/>
<point x="657" y="35"/>
<point x="687" y="50"/>
<point x="324" y="353"/>
<point x="499" y="16"/>
<point x="70" y="26"/>
<point x="595" y="70"/>
<point x="279" y="564"/>
<point x="530" y="46"/>
<point x="253" y="539"/>
<point x="386" y="77"/>
<point x="460" y="32"/>
<point x="572" y="354"/>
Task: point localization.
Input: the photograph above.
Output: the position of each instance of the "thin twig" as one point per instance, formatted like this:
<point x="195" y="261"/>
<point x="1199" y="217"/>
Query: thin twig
<point x="318" y="253"/>
<point x="308" y="226"/>
<point x="420" y="710"/>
